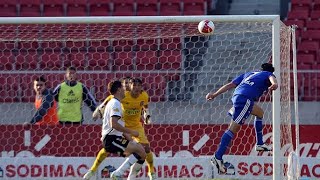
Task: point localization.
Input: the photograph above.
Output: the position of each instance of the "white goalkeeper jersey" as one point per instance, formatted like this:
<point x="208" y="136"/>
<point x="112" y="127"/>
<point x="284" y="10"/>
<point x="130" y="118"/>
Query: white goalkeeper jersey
<point x="113" y="108"/>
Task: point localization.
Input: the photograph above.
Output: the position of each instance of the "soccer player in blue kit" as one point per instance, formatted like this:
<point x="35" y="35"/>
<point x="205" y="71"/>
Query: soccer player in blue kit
<point x="248" y="88"/>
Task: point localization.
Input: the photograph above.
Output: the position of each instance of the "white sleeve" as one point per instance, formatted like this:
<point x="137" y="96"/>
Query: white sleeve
<point x="116" y="110"/>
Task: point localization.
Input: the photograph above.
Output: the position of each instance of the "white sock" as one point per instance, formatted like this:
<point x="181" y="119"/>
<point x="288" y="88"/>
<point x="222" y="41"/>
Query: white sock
<point x="127" y="163"/>
<point x="135" y="168"/>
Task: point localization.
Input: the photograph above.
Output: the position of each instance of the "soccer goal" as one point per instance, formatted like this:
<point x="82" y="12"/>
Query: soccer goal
<point x="178" y="66"/>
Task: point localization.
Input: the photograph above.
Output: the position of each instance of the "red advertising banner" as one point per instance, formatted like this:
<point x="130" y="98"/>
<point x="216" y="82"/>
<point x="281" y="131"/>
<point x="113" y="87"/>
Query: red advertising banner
<point x="166" y="140"/>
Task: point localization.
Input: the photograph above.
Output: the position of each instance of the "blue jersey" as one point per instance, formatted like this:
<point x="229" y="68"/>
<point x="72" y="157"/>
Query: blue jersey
<point x="252" y="84"/>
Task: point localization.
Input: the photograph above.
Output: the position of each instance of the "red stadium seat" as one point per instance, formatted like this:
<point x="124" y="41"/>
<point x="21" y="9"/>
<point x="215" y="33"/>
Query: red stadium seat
<point x="301" y="4"/>
<point x="301" y="14"/>
<point x="53" y="8"/>
<point x="123" y="45"/>
<point x="170" y="8"/>
<point x="316" y="66"/>
<point x="9" y="88"/>
<point x="78" y="60"/>
<point x="8" y="8"/>
<point x="147" y="8"/>
<point x="170" y="59"/>
<point x="308" y="46"/>
<point x="53" y="79"/>
<point x="155" y="85"/>
<point x="30" y="8"/>
<point x="311" y="35"/>
<point x="52" y="45"/>
<point x="99" y="82"/>
<point x="316" y="5"/>
<point x="27" y="91"/>
<point x="7" y="45"/>
<point x="304" y="66"/>
<point x="124" y="8"/>
<point x="98" y="46"/>
<point x="123" y="61"/>
<point x="299" y="23"/>
<point x="172" y="44"/>
<point x="76" y="8"/>
<point x="146" y="60"/>
<point x="147" y="44"/>
<point x="27" y="60"/>
<point x="51" y="60"/>
<point x="32" y="45"/>
<point x="315" y="14"/>
<point x="76" y="46"/>
<point x="99" y="7"/>
<point x="6" y="60"/>
<point x="52" y="31"/>
<point x="306" y="58"/>
<point x="194" y="7"/>
<point x="313" y="24"/>
<point x="98" y="60"/>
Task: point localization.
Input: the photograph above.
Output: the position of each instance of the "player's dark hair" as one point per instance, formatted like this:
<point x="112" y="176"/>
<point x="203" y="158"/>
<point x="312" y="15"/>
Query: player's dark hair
<point x="113" y="86"/>
<point x="135" y="81"/>
<point x="267" y="67"/>
<point x="71" y="68"/>
<point x="41" y="79"/>
<point x="125" y="78"/>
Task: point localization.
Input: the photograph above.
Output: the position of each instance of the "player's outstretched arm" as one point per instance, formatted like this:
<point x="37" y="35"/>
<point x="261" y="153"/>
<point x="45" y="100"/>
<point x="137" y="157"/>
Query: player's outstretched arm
<point x="99" y="111"/>
<point x="146" y="115"/>
<point x="274" y="83"/>
<point x="224" y="88"/>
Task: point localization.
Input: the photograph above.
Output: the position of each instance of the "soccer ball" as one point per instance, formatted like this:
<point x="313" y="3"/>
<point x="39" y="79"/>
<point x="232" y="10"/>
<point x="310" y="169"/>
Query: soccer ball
<point x="206" y="27"/>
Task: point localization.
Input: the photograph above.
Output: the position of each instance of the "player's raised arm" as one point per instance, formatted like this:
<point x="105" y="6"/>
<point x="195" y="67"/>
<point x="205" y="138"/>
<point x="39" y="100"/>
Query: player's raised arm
<point x="274" y="83"/>
<point x="224" y="88"/>
<point x="99" y="111"/>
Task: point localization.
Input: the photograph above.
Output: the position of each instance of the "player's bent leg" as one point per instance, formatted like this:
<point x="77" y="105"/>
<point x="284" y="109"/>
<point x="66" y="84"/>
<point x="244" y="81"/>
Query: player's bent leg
<point x="135" y="152"/>
<point x="134" y="170"/>
<point x="258" y="125"/>
<point x="100" y="157"/>
<point x="223" y="146"/>
<point x="149" y="160"/>
<point x="137" y="148"/>
<point x="103" y="154"/>
<point x="257" y="111"/>
<point x="219" y="164"/>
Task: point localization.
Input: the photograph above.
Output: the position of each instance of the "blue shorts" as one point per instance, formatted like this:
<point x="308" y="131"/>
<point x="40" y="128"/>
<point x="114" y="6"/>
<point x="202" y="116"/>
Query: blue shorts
<point x="242" y="107"/>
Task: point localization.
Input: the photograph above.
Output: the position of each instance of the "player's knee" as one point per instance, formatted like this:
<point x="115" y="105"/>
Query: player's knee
<point x="140" y="155"/>
<point x="234" y="127"/>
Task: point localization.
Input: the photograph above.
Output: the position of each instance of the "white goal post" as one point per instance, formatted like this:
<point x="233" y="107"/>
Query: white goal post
<point x="274" y="20"/>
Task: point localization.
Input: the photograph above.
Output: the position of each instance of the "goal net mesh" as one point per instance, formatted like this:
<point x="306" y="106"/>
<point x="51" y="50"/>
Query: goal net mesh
<point x="178" y="67"/>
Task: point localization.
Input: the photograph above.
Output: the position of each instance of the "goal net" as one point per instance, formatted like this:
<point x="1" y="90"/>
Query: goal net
<point x="178" y="67"/>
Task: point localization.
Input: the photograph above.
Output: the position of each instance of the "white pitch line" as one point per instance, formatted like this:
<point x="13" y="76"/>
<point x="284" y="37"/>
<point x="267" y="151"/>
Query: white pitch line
<point x="201" y="142"/>
<point x="185" y="138"/>
<point x="42" y="142"/>
<point x="27" y="137"/>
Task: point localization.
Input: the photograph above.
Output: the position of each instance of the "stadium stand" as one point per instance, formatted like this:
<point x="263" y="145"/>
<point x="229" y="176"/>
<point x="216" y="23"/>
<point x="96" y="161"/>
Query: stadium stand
<point x="170" y="8"/>
<point x="30" y="8"/>
<point x="305" y="14"/>
<point x="8" y="8"/>
<point x="140" y="55"/>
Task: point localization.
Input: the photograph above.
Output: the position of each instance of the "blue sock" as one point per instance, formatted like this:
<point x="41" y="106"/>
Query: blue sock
<point x="225" y="141"/>
<point x="258" y="127"/>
